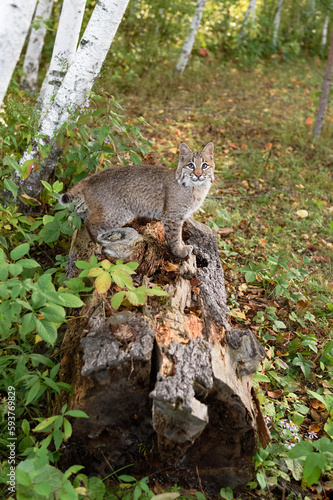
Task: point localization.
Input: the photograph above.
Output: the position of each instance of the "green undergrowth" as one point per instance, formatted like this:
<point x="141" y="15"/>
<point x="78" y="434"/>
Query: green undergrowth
<point x="272" y="208"/>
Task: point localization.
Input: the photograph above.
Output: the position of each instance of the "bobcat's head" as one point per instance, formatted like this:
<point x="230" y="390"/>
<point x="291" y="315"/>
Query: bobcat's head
<point x="195" y="168"/>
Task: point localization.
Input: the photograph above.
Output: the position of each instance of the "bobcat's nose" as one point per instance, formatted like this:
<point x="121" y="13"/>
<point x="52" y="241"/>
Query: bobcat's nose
<point x="198" y="175"/>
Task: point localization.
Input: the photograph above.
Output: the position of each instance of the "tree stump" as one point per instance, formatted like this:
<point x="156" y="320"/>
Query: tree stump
<point x="167" y="386"/>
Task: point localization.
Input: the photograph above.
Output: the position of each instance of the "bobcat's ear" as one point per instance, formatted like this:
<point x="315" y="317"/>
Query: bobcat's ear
<point x="184" y="151"/>
<point x="209" y="150"/>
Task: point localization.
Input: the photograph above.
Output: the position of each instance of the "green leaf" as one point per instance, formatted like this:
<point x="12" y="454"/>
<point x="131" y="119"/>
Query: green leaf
<point x="96" y="488"/>
<point x="19" y="251"/>
<point x="67" y="428"/>
<point x="301" y="450"/>
<point x="117" y="299"/>
<point x="57" y="438"/>
<point x="226" y="493"/>
<point x="47" y="331"/>
<point x="15" y="269"/>
<point x="54" y="313"/>
<point x="137" y="492"/>
<point x="46" y="423"/>
<point x="136" y="297"/>
<point x="82" y="264"/>
<point x="47" y="185"/>
<point x="69" y="300"/>
<point x="51" y="383"/>
<point x="76" y="413"/>
<point x="29" y="263"/>
<point x="314" y="464"/>
<point x="33" y="392"/>
<point x="135" y="158"/>
<point x="158" y="292"/>
<point x="260" y="476"/>
<point x="12" y="163"/>
<point x="260" y="377"/>
<point x="328" y="427"/>
<point x="122" y="278"/>
<point x="324" y="445"/>
<point x="11" y="186"/>
<point x="44" y="489"/>
<point x="25" y="427"/>
<point x="29" y="322"/>
<point x="127" y="479"/>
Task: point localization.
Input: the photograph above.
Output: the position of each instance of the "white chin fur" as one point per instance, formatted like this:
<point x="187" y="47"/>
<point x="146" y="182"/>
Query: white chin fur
<point x="195" y="182"/>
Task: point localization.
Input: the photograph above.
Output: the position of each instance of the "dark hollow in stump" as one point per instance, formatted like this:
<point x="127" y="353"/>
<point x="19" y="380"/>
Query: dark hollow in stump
<point x="167" y="386"/>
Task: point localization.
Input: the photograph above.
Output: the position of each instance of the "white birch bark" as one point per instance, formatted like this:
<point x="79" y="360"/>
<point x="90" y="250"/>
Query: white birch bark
<point x="15" y="19"/>
<point x="64" y="50"/>
<point x="251" y="11"/>
<point x="77" y="83"/>
<point x="276" y="23"/>
<point x="324" y="33"/>
<point x="189" y="42"/>
<point x="35" y="46"/>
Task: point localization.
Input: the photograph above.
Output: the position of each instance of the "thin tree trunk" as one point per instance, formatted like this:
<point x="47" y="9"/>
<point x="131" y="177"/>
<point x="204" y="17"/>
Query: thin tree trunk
<point x="189" y="42"/>
<point x="324" y="33"/>
<point x="276" y="23"/>
<point x="15" y="19"/>
<point x="77" y="83"/>
<point x="324" y="93"/>
<point x="251" y="10"/>
<point x="64" y="49"/>
<point x="35" y="46"/>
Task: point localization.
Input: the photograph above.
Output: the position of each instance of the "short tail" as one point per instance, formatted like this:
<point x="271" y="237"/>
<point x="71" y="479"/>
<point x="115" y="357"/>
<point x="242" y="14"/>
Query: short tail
<point x="73" y="195"/>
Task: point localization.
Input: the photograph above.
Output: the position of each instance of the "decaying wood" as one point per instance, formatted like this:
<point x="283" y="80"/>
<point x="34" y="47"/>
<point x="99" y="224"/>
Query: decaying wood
<point x="167" y="386"/>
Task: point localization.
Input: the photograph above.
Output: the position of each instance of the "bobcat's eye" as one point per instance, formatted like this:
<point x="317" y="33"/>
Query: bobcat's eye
<point x="204" y="166"/>
<point x="191" y="166"/>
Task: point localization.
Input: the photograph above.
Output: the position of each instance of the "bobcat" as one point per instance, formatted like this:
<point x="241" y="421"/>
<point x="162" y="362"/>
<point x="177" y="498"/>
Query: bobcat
<point x="116" y="196"/>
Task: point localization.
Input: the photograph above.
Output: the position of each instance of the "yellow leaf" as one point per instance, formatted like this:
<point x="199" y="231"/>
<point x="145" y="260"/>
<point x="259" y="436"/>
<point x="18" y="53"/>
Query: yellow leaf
<point x="38" y="339"/>
<point x="106" y="264"/>
<point x="103" y="283"/>
<point x="302" y="214"/>
<point x="95" y="271"/>
<point x="236" y="313"/>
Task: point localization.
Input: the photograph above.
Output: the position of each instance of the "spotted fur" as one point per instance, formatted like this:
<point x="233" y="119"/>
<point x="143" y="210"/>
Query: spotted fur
<point x="117" y="195"/>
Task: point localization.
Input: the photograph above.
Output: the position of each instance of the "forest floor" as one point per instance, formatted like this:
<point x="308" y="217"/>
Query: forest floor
<point x="272" y="208"/>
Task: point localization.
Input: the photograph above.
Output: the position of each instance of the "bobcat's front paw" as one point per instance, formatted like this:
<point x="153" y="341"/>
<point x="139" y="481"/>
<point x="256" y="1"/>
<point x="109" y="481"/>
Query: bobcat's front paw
<point x="183" y="252"/>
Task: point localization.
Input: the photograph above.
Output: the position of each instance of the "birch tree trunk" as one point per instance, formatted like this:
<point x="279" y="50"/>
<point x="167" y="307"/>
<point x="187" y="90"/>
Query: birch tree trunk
<point x="251" y="11"/>
<point x="189" y="42"/>
<point x="35" y="46"/>
<point x="324" y="93"/>
<point x="15" y="19"/>
<point x="276" y="23"/>
<point x="76" y="84"/>
<point x="64" y="49"/>
<point x="324" y="33"/>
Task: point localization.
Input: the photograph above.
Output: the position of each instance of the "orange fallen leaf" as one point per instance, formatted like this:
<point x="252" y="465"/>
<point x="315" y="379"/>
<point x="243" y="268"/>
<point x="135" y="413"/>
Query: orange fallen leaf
<point x="245" y="184"/>
<point x="268" y="146"/>
<point x="309" y="121"/>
